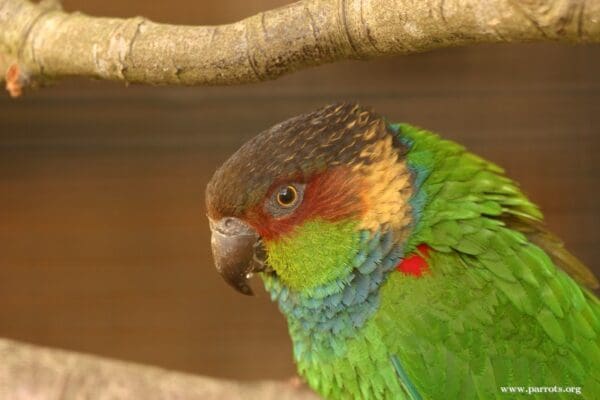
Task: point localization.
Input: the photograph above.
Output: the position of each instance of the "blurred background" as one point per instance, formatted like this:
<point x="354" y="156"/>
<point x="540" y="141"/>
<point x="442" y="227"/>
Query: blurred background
<point x="104" y="243"/>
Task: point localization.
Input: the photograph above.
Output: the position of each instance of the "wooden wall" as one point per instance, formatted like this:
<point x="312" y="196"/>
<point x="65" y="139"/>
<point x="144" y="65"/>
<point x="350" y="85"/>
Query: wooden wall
<point x="104" y="246"/>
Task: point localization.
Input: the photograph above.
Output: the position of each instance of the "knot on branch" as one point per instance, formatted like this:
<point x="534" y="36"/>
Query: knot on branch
<point x="112" y="58"/>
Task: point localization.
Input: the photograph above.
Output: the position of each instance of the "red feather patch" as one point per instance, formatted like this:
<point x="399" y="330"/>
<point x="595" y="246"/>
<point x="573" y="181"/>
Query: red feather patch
<point x="416" y="263"/>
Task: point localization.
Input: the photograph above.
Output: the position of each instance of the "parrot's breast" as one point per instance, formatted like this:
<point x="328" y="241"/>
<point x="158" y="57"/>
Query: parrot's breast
<point x="321" y="319"/>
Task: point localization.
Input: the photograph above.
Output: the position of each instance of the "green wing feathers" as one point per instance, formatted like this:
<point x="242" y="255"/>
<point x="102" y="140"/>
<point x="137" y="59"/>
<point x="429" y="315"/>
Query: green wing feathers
<point x="536" y="233"/>
<point x="460" y="186"/>
<point x="503" y="305"/>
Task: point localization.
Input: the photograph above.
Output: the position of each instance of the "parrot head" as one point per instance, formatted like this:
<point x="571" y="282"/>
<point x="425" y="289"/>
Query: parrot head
<point x="304" y="201"/>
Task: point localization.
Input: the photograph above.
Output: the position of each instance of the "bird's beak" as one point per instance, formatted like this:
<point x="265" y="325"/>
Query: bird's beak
<point x="233" y="246"/>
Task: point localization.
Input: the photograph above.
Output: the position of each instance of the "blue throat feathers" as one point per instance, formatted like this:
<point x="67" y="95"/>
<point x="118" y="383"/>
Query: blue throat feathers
<point x="322" y="318"/>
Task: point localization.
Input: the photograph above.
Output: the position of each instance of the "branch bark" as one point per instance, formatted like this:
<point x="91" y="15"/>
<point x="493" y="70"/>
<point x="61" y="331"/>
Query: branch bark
<point x="50" y="44"/>
<point x="29" y="372"/>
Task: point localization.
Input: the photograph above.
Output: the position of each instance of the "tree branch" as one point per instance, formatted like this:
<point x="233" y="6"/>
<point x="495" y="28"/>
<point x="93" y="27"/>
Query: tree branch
<point x="30" y="372"/>
<point x="49" y="43"/>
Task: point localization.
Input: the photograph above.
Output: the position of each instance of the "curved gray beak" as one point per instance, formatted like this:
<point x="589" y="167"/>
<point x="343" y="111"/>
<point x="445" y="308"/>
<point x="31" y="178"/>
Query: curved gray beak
<point x="233" y="245"/>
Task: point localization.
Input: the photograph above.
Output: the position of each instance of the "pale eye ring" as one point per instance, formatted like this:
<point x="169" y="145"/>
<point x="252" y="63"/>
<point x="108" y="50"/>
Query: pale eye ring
<point x="285" y="199"/>
<point x="287" y="196"/>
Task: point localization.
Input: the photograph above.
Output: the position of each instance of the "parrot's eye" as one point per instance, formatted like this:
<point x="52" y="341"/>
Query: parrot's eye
<point x="287" y="196"/>
<point x="285" y="199"/>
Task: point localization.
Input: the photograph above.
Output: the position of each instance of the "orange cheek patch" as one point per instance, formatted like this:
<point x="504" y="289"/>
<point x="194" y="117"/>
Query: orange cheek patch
<point x="389" y="183"/>
<point x="332" y="196"/>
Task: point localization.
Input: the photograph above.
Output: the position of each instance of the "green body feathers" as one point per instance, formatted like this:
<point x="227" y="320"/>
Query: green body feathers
<point x="494" y="310"/>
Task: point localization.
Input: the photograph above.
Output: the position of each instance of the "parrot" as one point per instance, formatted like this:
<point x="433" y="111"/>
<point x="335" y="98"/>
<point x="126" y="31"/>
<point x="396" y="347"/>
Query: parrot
<point x="406" y="266"/>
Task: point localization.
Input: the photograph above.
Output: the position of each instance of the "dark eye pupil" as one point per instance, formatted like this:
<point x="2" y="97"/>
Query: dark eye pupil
<point x="286" y="196"/>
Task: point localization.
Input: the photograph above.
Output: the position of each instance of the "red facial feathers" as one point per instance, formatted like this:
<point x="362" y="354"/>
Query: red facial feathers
<point x="332" y="195"/>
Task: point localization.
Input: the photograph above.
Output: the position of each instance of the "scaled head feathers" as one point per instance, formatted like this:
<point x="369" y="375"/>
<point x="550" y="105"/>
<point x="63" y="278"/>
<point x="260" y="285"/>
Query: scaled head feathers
<point x="345" y="155"/>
